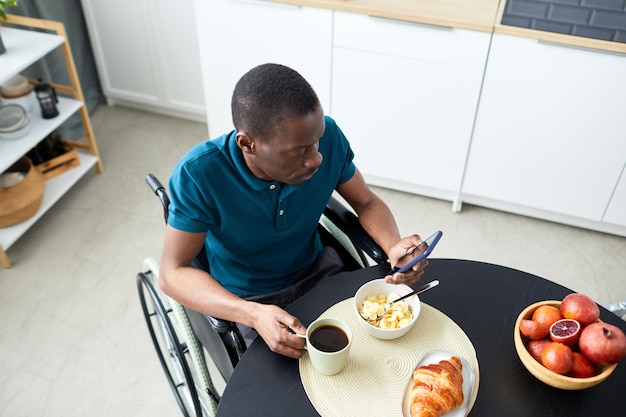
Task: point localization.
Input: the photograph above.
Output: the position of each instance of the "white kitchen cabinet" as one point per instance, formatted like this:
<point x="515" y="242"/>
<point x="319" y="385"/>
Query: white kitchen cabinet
<point x="24" y="47"/>
<point x="405" y="95"/>
<point x="147" y="54"/>
<point x="550" y="134"/>
<point x="616" y="210"/>
<point x="237" y="35"/>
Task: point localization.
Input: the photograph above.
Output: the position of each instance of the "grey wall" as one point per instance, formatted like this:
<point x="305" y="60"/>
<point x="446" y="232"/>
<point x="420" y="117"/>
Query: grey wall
<point x="598" y="19"/>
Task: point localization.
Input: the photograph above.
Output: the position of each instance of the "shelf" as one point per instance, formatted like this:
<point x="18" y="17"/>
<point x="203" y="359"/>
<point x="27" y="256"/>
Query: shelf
<point x="55" y="188"/>
<point x="12" y="150"/>
<point x="24" y="47"/>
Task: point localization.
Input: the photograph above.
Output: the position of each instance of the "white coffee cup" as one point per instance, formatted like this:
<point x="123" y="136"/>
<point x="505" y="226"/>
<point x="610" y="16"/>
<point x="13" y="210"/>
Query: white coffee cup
<point x="328" y="343"/>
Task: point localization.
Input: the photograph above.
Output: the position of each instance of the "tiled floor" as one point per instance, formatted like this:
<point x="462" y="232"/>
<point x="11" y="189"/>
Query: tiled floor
<point x="72" y="337"/>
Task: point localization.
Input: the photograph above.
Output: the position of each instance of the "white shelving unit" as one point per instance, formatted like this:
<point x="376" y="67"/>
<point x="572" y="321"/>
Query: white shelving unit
<point x="24" y="47"/>
<point x="12" y="150"/>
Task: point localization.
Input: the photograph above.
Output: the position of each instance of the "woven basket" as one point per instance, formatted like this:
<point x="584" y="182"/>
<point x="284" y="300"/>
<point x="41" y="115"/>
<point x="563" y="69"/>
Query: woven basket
<point x="21" y="201"/>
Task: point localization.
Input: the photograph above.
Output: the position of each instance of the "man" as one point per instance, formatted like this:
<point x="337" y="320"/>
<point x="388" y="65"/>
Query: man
<point x="254" y="197"/>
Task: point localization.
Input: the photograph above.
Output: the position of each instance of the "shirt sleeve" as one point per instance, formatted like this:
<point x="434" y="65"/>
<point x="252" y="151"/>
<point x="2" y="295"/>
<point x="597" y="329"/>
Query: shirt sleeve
<point x="188" y="209"/>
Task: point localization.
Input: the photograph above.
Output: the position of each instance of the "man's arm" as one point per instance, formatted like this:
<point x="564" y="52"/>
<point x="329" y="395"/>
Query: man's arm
<point x="198" y="290"/>
<point x="377" y="219"/>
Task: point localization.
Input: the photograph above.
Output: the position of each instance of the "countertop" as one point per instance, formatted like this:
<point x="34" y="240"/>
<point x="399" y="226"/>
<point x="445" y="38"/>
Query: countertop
<point x="479" y="15"/>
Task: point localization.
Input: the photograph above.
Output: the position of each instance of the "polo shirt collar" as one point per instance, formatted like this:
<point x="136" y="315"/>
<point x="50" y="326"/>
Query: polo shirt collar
<point x="236" y="156"/>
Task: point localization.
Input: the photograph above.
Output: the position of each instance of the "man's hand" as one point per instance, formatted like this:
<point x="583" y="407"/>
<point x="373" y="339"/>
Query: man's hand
<point x="401" y="254"/>
<point x="273" y="323"/>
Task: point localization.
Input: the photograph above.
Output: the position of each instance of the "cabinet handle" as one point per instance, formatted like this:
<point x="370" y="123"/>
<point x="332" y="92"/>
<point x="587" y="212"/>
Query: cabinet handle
<point x="268" y="3"/>
<point x="580" y="48"/>
<point x="409" y="23"/>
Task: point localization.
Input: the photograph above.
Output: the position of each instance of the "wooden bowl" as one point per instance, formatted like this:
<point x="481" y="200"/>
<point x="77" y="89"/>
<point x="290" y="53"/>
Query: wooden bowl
<point x="544" y="374"/>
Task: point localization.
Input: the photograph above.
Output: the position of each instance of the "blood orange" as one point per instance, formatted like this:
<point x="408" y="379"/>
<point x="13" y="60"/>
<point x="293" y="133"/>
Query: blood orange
<point x="547" y="315"/>
<point x="581" y="367"/>
<point x="535" y="348"/>
<point x="557" y="357"/>
<point x="533" y="330"/>
<point x="566" y="331"/>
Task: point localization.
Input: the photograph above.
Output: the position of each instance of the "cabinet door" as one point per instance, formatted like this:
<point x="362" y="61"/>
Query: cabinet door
<point x="550" y="130"/>
<point x="177" y="55"/>
<point x="147" y="54"/>
<point x="405" y="95"/>
<point x="121" y="47"/>
<point x="237" y="35"/>
<point x="616" y="211"/>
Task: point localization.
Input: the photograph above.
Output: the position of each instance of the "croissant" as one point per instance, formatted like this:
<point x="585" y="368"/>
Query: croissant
<point x="437" y="389"/>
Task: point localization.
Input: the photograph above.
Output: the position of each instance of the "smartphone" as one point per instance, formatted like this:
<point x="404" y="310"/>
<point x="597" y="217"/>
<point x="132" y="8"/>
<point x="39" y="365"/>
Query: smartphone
<point x="430" y="244"/>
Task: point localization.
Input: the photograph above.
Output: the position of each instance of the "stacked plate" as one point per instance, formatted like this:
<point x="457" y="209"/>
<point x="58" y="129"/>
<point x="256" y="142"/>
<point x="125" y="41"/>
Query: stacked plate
<point x="14" y="122"/>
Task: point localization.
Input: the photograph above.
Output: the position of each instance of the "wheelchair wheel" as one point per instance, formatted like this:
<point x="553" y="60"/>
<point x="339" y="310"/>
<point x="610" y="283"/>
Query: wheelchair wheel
<point x="172" y="353"/>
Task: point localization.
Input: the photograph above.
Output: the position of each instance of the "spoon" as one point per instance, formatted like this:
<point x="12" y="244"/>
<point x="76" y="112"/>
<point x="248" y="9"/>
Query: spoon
<point x="420" y="290"/>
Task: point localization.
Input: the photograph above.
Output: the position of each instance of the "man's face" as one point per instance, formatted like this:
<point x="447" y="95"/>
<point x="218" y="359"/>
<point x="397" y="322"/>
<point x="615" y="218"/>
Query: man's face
<point x="291" y="155"/>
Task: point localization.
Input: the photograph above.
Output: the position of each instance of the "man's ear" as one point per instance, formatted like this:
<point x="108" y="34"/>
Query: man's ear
<point x="245" y="142"/>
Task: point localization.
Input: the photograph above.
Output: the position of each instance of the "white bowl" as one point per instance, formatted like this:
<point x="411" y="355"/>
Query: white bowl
<point x="18" y="133"/>
<point x="14" y="122"/>
<point x="27" y="101"/>
<point x="15" y="86"/>
<point x="377" y="287"/>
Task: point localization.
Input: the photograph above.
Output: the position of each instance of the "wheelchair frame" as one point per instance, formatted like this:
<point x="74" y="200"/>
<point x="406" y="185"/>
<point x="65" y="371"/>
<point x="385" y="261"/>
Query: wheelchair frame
<point x="180" y="353"/>
<point x="178" y="346"/>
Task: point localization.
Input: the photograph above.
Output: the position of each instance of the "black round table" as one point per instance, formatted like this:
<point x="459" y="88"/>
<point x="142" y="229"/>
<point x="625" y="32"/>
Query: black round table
<point x="484" y="300"/>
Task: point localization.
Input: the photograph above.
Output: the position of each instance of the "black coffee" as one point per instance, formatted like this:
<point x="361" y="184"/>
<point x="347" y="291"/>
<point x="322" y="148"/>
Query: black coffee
<point x="329" y="338"/>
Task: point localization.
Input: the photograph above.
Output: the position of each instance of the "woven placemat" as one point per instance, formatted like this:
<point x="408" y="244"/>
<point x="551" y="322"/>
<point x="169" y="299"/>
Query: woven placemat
<point x="375" y="378"/>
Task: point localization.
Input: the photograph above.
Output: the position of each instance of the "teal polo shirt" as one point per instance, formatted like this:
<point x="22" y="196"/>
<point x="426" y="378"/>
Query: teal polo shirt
<point x="261" y="236"/>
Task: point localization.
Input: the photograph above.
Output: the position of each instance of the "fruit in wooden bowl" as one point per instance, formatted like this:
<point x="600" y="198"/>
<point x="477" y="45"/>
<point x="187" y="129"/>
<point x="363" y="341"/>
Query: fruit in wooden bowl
<point x="558" y="364"/>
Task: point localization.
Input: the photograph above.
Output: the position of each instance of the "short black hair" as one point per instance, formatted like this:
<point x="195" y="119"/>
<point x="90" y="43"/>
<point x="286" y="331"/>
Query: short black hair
<point x="267" y="94"/>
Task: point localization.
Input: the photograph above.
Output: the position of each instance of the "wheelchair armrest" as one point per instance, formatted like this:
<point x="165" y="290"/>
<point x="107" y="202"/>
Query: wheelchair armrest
<point x="221" y="326"/>
<point x="221" y="339"/>
<point x="349" y="224"/>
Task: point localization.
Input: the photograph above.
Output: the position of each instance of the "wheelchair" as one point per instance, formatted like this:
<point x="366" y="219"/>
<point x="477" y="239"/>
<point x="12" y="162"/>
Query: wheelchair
<point x="184" y="338"/>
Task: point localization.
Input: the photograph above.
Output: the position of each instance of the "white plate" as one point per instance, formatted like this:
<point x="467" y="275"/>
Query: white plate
<point x="468" y="383"/>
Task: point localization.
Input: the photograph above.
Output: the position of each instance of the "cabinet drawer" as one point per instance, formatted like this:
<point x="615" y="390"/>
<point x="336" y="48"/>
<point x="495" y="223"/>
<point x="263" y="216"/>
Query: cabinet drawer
<point x="408" y="39"/>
